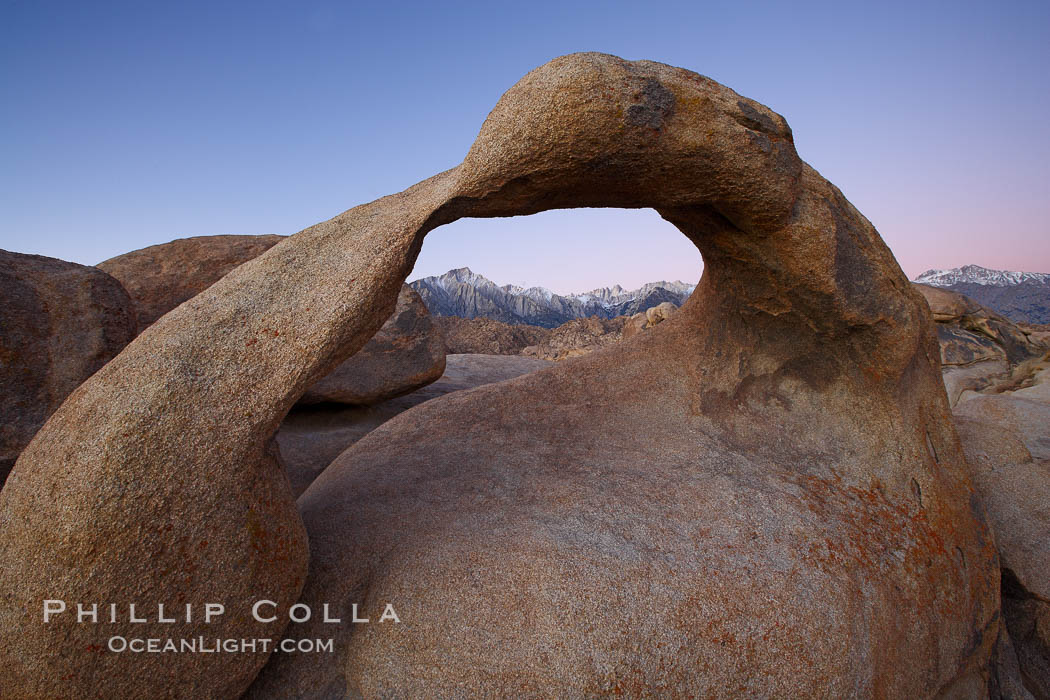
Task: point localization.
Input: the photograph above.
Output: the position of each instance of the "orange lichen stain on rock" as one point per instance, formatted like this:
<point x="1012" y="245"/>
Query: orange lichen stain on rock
<point x="898" y="538"/>
<point x="256" y="532"/>
<point x="872" y="373"/>
<point x="691" y="102"/>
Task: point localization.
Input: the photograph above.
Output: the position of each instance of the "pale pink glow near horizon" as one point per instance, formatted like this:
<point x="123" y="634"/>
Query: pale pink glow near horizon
<point x="977" y="218"/>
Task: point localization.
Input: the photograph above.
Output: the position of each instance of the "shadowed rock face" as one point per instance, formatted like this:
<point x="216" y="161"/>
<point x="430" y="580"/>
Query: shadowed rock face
<point x="160" y="277"/>
<point x="799" y="500"/>
<point x="59" y="322"/>
<point x="311" y="437"/>
<point x="407" y="353"/>
<point x="1000" y="436"/>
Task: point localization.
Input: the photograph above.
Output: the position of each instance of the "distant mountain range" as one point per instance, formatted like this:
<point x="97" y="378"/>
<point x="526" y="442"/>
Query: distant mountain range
<point x="975" y="274"/>
<point x="1020" y="296"/>
<point x="466" y="294"/>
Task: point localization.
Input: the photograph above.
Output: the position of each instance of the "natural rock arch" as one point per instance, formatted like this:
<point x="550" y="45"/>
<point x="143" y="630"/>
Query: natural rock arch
<point x="809" y="394"/>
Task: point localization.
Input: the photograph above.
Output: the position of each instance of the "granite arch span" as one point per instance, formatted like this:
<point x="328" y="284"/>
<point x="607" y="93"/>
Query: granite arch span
<point x="799" y="499"/>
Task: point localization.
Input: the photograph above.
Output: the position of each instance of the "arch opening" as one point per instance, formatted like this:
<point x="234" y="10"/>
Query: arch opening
<point x="567" y="251"/>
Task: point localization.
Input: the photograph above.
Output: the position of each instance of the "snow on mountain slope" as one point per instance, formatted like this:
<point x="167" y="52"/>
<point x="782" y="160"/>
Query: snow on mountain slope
<point x="464" y="293"/>
<point x="1023" y="297"/>
<point x="975" y="274"/>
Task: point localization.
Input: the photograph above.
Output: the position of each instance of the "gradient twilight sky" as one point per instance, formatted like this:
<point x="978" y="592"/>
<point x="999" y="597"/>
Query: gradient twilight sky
<point x="126" y="124"/>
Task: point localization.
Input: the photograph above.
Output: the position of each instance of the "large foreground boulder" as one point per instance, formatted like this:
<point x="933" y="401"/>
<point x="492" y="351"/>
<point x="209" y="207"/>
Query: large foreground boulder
<point x="144" y="489"/>
<point x="161" y="277"/>
<point x="59" y="323"/>
<point x="763" y="495"/>
<point x="1028" y="417"/>
<point x="408" y="351"/>
<point x="1015" y="488"/>
<point x="312" y="436"/>
<point x="708" y="506"/>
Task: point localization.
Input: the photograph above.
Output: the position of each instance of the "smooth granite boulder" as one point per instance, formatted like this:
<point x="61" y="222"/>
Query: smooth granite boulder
<point x="763" y="495"/>
<point x="59" y="322"/>
<point x="408" y="351"/>
<point x="311" y="436"/>
<point x="160" y="277"/>
<point x="1015" y="490"/>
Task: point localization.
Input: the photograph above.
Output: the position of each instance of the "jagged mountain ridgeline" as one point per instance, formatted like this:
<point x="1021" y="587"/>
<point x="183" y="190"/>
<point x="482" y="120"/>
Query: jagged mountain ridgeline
<point x="975" y="274"/>
<point x="466" y="294"/>
<point x="1020" y="296"/>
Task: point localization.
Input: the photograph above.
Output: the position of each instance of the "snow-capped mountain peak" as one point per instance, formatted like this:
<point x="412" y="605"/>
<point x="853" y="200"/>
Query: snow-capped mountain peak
<point x="614" y="295"/>
<point x="975" y="274"/>
<point x="462" y="275"/>
<point x="462" y="292"/>
<point x="539" y="294"/>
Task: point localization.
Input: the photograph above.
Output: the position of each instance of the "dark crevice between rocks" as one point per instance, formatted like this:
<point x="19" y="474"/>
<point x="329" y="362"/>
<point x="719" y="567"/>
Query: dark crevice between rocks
<point x="917" y="491"/>
<point x="1026" y="615"/>
<point x="1013" y="588"/>
<point x="932" y="448"/>
<point x="6" y="465"/>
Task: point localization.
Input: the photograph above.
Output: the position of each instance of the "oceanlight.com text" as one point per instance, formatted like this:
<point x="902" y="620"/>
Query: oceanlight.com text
<point x="206" y="645"/>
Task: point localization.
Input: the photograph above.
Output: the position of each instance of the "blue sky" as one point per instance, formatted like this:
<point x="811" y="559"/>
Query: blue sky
<point x="129" y="124"/>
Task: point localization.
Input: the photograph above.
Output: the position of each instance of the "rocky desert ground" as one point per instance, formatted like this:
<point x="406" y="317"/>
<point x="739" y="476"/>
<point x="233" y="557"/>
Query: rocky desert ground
<point x="812" y="478"/>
